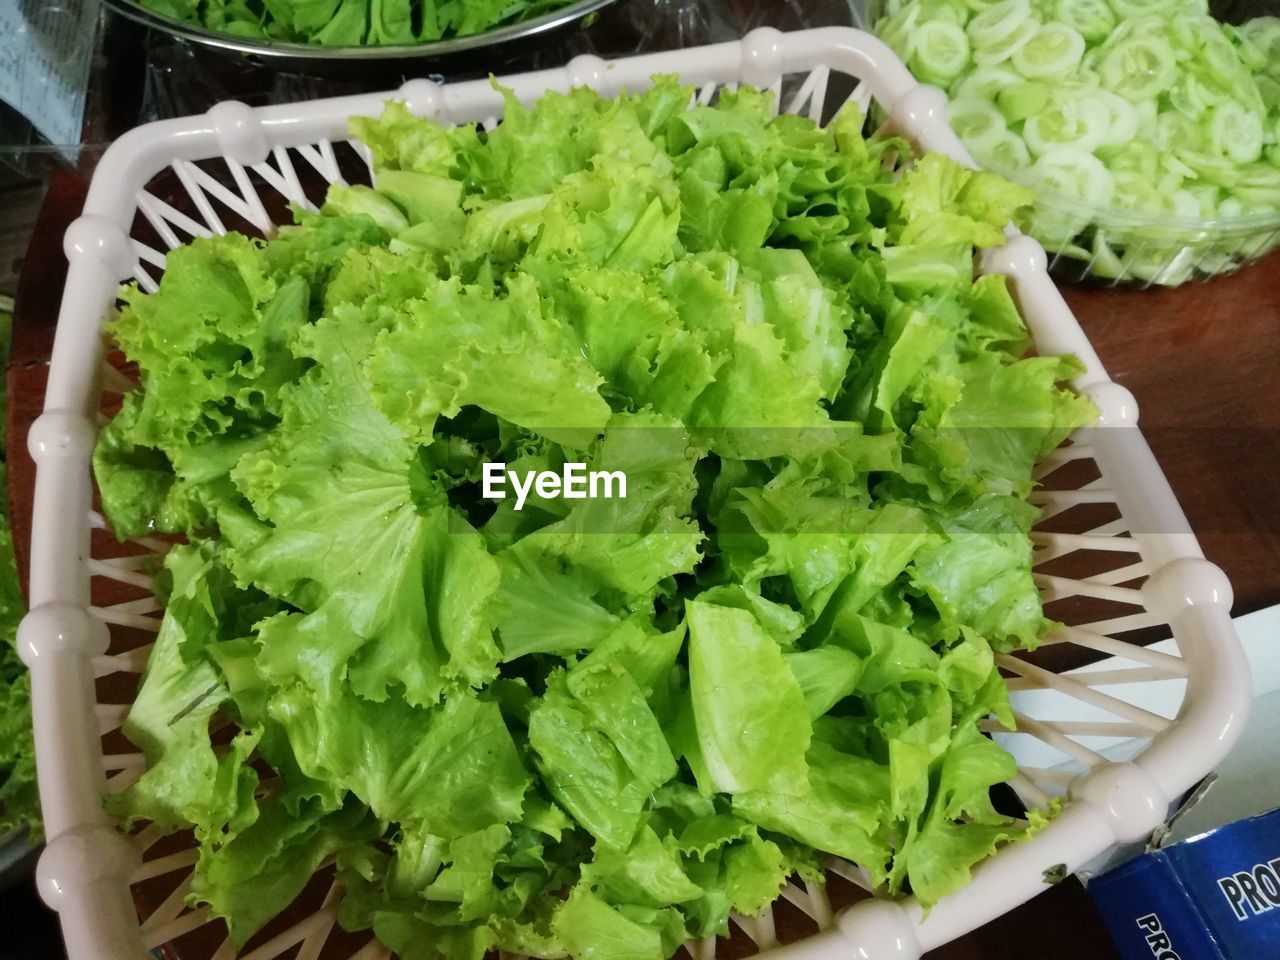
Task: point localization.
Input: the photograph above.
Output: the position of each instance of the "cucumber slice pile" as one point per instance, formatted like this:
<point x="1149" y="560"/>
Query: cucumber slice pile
<point x="1144" y="124"/>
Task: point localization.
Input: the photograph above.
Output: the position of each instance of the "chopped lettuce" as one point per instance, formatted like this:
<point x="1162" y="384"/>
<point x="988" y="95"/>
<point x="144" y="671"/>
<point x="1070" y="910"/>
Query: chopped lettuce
<point x="586" y="727"/>
<point x="351" y="23"/>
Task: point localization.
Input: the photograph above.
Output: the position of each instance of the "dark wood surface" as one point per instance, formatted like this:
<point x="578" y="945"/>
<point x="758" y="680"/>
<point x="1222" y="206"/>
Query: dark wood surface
<point x="1203" y="361"/>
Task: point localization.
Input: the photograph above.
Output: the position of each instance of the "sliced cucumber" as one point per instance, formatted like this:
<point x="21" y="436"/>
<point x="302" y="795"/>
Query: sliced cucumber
<point x="1236" y="132"/>
<point x="1137" y="193"/>
<point x="1211" y="167"/>
<point x="1136" y="158"/>
<point x="941" y="51"/>
<point x="1000" y="52"/>
<point x="977" y="122"/>
<point x="983" y="83"/>
<point x="1264" y="33"/>
<point x="1092" y="19"/>
<point x="1053" y="52"/>
<point x="1024" y="99"/>
<point x="1076" y="174"/>
<point x="1146" y="106"/>
<point x="1122" y="118"/>
<point x="1008" y="154"/>
<point x="1184" y="204"/>
<point x="1139" y="68"/>
<point x="951" y="11"/>
<point x="1080" y="124"/>
<point x="998" y="22"/>
<point x="1206" y="196"/>
<point x="1268" y="93"/>
<point x="1175" y="132"/>
<point x="1138" y="8"/>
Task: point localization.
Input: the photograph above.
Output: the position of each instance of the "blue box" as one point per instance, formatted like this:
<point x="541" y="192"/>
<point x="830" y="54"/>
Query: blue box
<point x="1215" y="896"/>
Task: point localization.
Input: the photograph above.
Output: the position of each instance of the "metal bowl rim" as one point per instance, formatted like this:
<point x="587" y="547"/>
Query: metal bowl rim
<point x="551" y="20"/>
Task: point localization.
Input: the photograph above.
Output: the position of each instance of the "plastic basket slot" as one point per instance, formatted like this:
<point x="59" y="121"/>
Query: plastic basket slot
<point x="169" y="908"/>
<point x="1125" y="574"/>
<point x="809" y="99"/>
<point x="144" y="279"/>
<point x="321" y="920"/>
<point x="1060" y="457"/>
<point x="128" y="661"/>
<point x="791" y="916"/>
<point x="314" y="941"/>
<point x="1106" y="678"/>
<point x="1047" y="679"/>
<point x="125" y="778"/>
<point x="179" y="926"/>
<point x="160" y="866"/>
<point x="1047" y="778"/>
<point x="372" y="950"/>
<point x="163" y="216"/>
<point x="1101" y="643"/>
<point x="204" y="188"/>
<point x="188" y="173"/>
<point x="760" y="929"/>
<point x="1029" y="792"/>
<point x="1056" y="544"/>
<point x="1058" y="740"/>
<point x="775" y="98"/>
<point x="110" y="715"/>
<point x="1123" y="624"/>
<point x="122" y="615"/>
<point x="1077" y="728"/>
<point x="321" y="158"/>
<point x="122" y="761"/>
<point x="819" y="904"/>
<point x="283" y="178"/>
<point x="855" y="874"/>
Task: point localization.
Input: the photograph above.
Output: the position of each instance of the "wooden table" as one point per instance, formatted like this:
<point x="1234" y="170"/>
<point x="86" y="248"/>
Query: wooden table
<point x="1203" y="361"/>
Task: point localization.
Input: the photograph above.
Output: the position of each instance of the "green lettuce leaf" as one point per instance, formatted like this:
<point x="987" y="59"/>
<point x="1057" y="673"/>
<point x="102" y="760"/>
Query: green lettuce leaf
<point x="752" y="726"/>
<point x="583" y="727"/>
<point x="259" y="872"/>
<point x="452" y="770"/>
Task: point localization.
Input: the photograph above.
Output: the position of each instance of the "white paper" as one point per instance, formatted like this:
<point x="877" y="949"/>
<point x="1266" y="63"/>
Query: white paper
<point x="1259" y="636"/>
<point x="46" y="51"/>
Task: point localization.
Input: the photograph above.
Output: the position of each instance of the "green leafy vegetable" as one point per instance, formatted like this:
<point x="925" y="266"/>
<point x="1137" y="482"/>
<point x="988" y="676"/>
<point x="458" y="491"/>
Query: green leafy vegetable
<point x="586" y="726"/>
<point x="351" y="23"/>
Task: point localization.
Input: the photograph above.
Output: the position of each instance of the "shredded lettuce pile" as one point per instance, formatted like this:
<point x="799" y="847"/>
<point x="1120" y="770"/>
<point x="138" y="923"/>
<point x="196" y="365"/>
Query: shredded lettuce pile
<point x="351" y="23"/>
<point x="589" y="728"/>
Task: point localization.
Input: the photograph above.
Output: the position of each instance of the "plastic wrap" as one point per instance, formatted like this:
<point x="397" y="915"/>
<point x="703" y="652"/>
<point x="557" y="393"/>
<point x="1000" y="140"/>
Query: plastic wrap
<point x="183" y="78"/>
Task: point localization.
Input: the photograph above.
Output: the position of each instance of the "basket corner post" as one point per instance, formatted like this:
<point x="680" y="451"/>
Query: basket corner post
<point x="238" y="131"/>
<point x="880" y="930"/>
<point x="83" y="875"/>
<point x="1194" y="597"/>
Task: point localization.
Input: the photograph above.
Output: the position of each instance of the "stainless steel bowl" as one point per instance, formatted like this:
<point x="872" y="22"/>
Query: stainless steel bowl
<point x="565" y="16"/>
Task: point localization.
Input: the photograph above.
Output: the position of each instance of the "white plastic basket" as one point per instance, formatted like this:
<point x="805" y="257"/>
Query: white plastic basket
<point x="1133" y="562"/>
